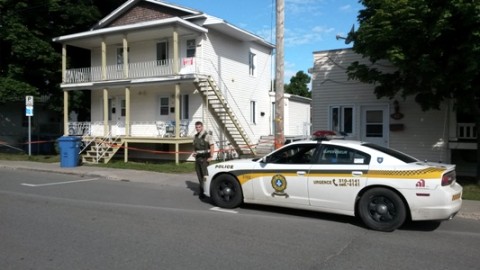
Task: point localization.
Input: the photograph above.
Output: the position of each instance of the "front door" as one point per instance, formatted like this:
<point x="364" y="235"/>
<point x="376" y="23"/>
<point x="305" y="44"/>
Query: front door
<point x="374" y="125"/>
<point x="117" y="117"/>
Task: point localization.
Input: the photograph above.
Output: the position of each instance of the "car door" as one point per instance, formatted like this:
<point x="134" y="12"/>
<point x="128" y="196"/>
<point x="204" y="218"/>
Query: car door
<point x="336" y="177"/>
<point x="283" y="176"/>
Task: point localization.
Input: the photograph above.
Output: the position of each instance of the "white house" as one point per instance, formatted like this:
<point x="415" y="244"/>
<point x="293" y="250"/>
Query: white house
<point x="157" y="68"/>
<point x="350" y="106"/>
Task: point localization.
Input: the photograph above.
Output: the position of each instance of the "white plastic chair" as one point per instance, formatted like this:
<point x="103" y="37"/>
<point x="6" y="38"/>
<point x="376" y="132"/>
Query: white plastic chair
<point x="161" y="129"/>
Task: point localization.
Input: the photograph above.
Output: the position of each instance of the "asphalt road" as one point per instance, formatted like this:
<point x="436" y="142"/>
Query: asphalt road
<point x="59" y="221"/>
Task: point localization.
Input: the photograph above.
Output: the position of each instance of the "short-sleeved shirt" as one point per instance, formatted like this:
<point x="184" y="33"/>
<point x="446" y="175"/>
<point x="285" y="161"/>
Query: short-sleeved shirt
<point x="202" y="141"/>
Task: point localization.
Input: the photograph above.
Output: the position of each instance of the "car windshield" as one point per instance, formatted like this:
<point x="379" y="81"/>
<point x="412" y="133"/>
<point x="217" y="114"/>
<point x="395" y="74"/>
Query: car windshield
<point x="394" y="153"/>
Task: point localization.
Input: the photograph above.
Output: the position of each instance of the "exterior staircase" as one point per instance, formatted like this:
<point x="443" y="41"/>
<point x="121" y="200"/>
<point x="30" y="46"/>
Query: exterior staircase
<point x="100" y="150"/>
<point x="225" y="117"/>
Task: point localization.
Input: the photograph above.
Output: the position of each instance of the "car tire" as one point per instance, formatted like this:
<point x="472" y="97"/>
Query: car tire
<point x="226" y="191"/>
<point x="382" y="209"/>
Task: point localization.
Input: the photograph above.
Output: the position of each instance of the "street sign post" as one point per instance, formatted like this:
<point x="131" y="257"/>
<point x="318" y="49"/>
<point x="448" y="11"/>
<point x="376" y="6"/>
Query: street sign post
<point x="29" y="114"/>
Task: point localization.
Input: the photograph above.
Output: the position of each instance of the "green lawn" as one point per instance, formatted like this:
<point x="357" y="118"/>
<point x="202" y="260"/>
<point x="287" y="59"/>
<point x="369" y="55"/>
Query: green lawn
<point x="471" y="190"/>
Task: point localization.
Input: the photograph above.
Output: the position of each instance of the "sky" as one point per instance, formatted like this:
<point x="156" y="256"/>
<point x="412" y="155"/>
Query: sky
<point x="310" y="25"/>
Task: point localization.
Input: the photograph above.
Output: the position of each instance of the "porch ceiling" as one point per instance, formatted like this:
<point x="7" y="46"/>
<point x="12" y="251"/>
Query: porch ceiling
<point x="136" y="32"/>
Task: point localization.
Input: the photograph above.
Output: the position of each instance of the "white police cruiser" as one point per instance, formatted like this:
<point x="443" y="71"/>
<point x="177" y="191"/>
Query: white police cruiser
<point x="382" y="186"/>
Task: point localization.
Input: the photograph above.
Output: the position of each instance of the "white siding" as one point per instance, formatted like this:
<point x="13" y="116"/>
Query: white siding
<point x="423" y="132"/>
<point x="226" y="59"/>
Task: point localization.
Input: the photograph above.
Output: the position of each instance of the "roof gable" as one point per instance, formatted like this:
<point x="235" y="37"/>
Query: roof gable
<point x="137" y="11"/>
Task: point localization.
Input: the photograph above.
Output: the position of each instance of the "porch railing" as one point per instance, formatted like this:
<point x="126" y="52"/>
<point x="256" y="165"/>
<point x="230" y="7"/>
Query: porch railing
<point x="466" y="131"/>
<point x="147" y="69"/>
<point x="137" y="128"/>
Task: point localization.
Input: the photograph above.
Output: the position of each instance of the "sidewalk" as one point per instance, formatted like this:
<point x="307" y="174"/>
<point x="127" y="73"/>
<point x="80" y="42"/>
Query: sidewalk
<point x="470" y="209"/>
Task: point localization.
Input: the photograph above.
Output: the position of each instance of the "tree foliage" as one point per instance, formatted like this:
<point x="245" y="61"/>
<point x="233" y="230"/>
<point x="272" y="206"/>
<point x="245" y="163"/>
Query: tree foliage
<point x="434" y="46"/>
<point x="29" y="61"/>
<point x="299" y="85"/>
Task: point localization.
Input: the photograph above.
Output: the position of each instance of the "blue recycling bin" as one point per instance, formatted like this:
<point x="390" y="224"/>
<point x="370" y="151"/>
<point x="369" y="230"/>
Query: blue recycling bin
<point x="69" y="150"/>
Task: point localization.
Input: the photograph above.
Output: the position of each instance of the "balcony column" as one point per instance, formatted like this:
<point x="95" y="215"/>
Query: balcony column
<point x="127" y="111"/>
<point x="104" y="59"/>
<point x="177" y="121"/>
<point x="64" y="63"/>
<point x="176" y="68"/>
<point x="125" y="57"/>
<point x="105" y="112"/>
<point x="65" y="113"/>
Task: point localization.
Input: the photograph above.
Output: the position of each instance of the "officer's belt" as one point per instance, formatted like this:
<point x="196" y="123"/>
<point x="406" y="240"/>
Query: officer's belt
<point x="202" y="151"/>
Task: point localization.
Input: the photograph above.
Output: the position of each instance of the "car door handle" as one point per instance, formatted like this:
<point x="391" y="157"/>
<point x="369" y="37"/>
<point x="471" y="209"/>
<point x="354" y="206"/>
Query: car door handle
<point x="356" y="173"/>
<point x="301" y="172"/>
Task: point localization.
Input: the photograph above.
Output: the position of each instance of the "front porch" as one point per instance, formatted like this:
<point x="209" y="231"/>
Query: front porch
<point x="101" y="147"/>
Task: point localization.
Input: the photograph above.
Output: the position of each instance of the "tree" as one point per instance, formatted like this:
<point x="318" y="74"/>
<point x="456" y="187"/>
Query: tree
<point x="435" y="47"/>
<point x="29" y="60"/>
<point x="299" y="85"/>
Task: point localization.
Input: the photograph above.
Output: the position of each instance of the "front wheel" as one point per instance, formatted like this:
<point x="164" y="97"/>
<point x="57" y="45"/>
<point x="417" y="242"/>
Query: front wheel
<point x="382" y="209"/>
<point x="226" y="191"/>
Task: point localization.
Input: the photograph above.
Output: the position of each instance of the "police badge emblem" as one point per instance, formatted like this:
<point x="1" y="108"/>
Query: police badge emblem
<point x="380" y="159"/>
<point x="279" y="184"/>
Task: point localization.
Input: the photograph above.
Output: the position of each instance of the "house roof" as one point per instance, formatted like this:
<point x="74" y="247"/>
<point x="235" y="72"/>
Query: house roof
<point x="190" y="19"/>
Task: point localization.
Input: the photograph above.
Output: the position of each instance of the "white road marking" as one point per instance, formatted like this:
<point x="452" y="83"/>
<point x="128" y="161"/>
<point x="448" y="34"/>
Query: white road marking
<point x="223" y="210"/>
<point x="59" y="183"/>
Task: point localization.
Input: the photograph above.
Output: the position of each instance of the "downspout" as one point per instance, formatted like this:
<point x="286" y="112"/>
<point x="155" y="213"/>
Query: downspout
<point x="65" y="93"/>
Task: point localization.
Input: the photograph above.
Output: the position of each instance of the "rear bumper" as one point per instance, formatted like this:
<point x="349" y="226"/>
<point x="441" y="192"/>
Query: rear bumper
<point x="442" y="204"/>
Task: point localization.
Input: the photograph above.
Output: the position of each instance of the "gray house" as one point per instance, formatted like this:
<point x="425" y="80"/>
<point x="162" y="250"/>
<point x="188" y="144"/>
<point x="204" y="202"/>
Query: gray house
<point x="350" y="106"/>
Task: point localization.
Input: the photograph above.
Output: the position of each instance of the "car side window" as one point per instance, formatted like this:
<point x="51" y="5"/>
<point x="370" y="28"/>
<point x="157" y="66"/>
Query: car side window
<point x="294" y="154"/>
<point x="333" y="154"/>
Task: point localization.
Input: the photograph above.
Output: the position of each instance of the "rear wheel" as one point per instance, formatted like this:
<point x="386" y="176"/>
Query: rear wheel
<point x="226" y="191"/>
<point x="382" y="209"/>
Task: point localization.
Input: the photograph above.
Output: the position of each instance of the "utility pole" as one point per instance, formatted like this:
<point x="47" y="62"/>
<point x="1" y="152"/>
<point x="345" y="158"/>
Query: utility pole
<point x="279" y="74"/>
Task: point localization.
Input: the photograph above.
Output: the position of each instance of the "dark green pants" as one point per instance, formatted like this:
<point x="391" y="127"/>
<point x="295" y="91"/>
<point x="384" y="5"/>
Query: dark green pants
<point x="201" y="164"/>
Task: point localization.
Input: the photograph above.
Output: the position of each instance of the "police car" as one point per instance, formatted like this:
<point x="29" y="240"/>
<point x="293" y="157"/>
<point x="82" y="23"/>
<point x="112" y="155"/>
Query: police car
<point x="381" y="186"/>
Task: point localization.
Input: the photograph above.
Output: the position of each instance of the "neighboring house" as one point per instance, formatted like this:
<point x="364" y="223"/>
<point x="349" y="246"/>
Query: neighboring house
<point x="350" y="106"/>
<point x="157" y="68"/>
<point x="45" y="127"/>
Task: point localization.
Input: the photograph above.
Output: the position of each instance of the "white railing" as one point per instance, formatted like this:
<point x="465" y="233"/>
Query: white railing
<point x="79" y="128"/>
<point x="137" y="128"/>
<point x="136" y="70"/>
<point x="466" y="131"/>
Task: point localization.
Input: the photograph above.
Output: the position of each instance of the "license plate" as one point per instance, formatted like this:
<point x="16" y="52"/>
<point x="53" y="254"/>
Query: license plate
<point x="456" y="196"/>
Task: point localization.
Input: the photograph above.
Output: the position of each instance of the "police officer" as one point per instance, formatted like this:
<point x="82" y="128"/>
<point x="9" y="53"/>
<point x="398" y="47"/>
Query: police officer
<point x="203" y="146"/>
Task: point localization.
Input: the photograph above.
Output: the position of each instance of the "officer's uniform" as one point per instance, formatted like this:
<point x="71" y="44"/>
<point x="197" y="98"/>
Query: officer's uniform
<point x="201" y="146"/>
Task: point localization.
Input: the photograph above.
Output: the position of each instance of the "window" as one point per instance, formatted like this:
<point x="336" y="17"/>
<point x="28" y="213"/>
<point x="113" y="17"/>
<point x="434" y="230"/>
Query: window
<point x="294" y="154"/>
<point x="111" y="109"/>
<point x="253" y="112"/>
<point x="164" y="105"/>
<point x="123" y="106"/>
<point x="184" y="107"/>
<point x="341" y="119"/>
<point x="162" y="53"/>
<point x="333" y="154"/>
<point x="120" y="57"/>
<point x="374" y="124"/>
<point x="251" y="63"/>
<point x="191" y="48"/>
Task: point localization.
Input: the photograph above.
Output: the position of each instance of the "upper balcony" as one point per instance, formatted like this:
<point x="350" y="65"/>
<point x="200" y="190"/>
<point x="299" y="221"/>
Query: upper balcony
<point x="138" y="70"/>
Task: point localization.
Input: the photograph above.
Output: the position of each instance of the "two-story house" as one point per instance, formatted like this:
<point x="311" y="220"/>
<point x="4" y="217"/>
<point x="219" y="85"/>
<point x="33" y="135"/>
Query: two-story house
<point x="157" y="68"/>
<point x="351" y="107"/>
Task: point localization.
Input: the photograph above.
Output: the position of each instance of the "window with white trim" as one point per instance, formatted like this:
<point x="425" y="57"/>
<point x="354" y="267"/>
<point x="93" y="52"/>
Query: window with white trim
<point x="251" y="63"/>
<point x="162" y="53"/>
<point x="164" y="105"/>
<point x="341" y="119"/>
<point x="253" y="109"/>
<point x="184" y="101"/>
<point x="120" y="57"/>
<point x="191" y="48"/>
